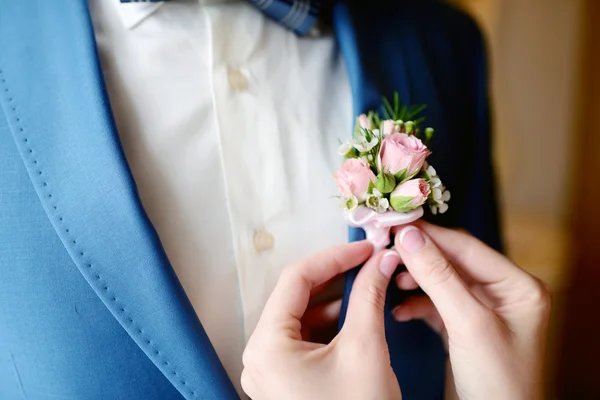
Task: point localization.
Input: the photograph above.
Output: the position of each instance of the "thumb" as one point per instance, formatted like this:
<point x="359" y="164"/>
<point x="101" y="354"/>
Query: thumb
<point x="367" y="299"/>
<point x="437" y="277"/>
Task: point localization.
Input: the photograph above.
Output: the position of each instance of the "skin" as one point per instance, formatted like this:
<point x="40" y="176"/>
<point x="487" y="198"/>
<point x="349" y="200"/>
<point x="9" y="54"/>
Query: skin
<point x="492" y="315"/>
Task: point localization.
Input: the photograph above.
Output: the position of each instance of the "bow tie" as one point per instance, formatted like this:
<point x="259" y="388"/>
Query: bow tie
<point x="298" y="15"/>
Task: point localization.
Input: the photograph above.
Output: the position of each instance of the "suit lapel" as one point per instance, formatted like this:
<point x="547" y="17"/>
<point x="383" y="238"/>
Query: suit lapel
<point x="53" y="95"/>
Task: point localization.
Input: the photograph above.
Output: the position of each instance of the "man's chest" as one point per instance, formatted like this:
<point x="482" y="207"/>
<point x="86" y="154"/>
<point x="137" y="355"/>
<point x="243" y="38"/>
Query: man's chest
<point x="230" y="126"/>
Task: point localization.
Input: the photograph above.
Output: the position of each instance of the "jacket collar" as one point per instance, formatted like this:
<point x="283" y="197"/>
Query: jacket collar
<point x="57" y="108"/>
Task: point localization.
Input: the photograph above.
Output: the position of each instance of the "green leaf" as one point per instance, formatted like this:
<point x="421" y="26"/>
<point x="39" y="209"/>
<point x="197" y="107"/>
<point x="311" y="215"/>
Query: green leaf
<point x="357" y="130"/>
<point x="397" y="111"/>
<point x="416" y="110"/>
<point x="409" y="177"/>
<point x="401" y="175"/>
<point x="402" y="203"/>
<point x="388" y="110"/>
<point x="370" y="187"/>
<point x="353" y="153"/>
<point x="385" y="182"/>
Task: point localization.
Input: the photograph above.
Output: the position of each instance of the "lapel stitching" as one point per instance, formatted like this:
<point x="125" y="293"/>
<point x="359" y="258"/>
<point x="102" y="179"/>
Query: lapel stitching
<point x="91" y="272"/>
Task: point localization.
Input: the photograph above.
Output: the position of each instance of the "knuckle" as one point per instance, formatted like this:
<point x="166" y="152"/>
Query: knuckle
<point x="540" y="294"/>
<point x="375" y="295"/>
<point x="246" y="382"/>
<point x="248" y="356"/>
<point x="462" y="231"/>
<point x="288" y="272"/>
<point x="439" y="271"/>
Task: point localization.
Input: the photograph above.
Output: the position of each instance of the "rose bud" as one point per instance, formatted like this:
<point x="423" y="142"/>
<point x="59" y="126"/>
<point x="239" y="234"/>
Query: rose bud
<point x="364" y="121"/>
<point x="354" y="177"/>
<point x="402" y="155"/>
<point x="388" y="127"/>
<point x="409" y="195"/>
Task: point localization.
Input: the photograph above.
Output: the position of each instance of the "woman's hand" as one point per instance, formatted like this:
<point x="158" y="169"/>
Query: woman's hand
<point x="492" y="315"/>
<point x="278" y="364"/>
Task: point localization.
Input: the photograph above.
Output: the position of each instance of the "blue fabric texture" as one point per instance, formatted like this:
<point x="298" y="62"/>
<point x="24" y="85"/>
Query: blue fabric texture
<point x="90" y="307"/>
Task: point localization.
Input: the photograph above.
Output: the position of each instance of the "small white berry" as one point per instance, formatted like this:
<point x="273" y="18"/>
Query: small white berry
<point x="446" y="195"/>
<point x="443" y="208"/>
<point x="431" y="171"/>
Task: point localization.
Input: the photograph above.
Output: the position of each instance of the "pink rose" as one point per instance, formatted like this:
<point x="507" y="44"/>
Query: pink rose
<point x="353" y="178"/>
<point x="388" y="127"/>
<point x="364" y="121"/>
<point x="399" y="151"/>
<point x="410" y="195"/>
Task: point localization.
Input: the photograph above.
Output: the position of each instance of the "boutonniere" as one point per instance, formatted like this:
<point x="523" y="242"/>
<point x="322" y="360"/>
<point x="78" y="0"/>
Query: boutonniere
<point x="385" y="179"/>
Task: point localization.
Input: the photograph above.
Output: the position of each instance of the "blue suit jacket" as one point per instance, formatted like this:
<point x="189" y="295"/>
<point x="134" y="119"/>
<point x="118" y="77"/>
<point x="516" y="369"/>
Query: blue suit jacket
<point x="90" y="307"/>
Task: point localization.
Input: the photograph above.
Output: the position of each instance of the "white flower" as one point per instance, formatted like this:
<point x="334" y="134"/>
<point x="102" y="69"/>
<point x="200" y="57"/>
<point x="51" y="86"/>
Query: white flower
<point x="446" y="196"/>
<point x="384" y="204"/>
<point x="443" y="208"/>
<point x="372" y="202"/>
<point x="363" y="146"/>
<point x="437" y="195"/>
<point x="431" y="171"/>
<point x="345" y="147"/>
<point x="376" y="202"/>
<point x="435" y="182"/>
<point x="349" y="203"/>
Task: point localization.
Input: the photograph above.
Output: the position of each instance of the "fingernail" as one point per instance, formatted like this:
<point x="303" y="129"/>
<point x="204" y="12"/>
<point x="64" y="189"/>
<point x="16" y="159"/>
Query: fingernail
<point x="412" y="239"/>
<point x="389" y="262"/>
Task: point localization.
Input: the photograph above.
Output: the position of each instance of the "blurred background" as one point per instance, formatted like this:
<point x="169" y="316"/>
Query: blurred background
<point x="545" y="63"/>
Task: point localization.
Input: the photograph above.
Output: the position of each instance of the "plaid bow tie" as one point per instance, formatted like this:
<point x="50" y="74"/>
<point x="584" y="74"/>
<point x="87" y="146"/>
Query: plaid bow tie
<point x="297" y="15"/>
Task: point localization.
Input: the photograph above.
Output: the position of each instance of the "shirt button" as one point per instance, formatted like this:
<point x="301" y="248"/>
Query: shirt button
<point x="263" y="241"/>
<point x="237" y="80"/>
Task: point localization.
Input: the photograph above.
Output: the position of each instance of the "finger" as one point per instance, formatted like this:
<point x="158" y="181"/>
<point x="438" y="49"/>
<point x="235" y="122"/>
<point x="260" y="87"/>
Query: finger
<point x="476" y="261"/>
<point x="421" y="308"/>
<point x="365" y="306"/>
<point x="436" y="276"/>
<point x="247" y="383"/>
<point x="405" y="281"/>
<point x="289" y="299"/>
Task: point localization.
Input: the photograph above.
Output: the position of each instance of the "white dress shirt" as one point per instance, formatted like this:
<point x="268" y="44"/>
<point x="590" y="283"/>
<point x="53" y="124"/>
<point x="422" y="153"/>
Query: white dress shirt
<point x="230" y="124"/>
